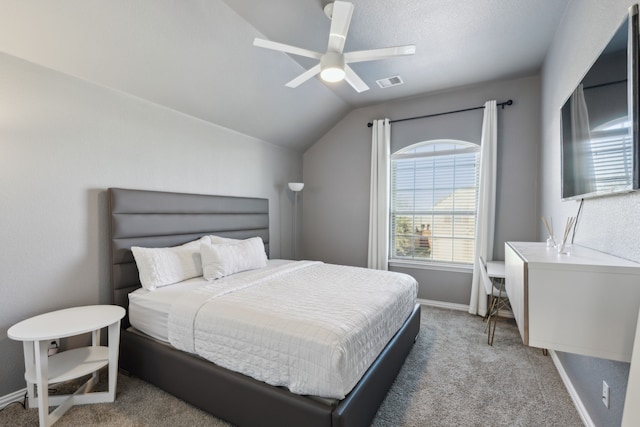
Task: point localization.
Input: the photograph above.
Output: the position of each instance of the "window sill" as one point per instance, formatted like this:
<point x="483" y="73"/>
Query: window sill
<point x="440" y="266"/>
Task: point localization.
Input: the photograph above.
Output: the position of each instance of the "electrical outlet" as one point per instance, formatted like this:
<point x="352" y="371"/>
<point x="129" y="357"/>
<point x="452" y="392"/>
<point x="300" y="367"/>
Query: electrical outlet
<point x="605" y="394"/>
<point x="54" y="346"/>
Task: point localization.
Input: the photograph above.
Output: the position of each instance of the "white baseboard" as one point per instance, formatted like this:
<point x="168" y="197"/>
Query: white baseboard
<point x="456" y="306"/>
<point x="16" y="396"/>
<point x="582" y="411"/>
<point x="459" y="307"/>
<point x="442" y="304"/>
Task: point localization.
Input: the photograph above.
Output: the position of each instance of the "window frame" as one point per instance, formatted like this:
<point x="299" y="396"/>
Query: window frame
<point x="460" y="148"/>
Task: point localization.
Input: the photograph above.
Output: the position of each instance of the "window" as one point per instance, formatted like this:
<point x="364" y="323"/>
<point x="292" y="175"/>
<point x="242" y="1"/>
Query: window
<point x="612" y="150"/>
<point x="434" y="196"/>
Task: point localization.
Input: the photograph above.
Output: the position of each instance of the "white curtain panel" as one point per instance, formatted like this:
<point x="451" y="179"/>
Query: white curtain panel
<point x="581" y="144"/>
<point x="378" y="256"/>
<point x="486" y="205"/>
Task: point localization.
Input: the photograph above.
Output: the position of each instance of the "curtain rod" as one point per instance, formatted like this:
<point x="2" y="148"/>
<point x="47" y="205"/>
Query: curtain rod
<point x="501" y="104"/>
<point x="605" y="84"/>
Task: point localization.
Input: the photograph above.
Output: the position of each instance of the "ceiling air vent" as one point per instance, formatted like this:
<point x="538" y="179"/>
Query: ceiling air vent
<point x="389" y="81"/>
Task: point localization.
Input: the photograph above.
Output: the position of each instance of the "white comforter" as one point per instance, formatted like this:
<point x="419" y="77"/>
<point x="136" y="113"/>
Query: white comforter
<point x="311" y="327"/>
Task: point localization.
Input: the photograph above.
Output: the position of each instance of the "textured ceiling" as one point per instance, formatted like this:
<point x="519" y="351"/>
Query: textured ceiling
<point x="197" y="57"/>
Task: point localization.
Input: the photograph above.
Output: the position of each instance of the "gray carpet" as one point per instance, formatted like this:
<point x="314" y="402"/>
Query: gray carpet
<point x="451" y="378"/>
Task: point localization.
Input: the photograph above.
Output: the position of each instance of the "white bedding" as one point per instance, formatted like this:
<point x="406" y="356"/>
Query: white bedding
<point x="311" y="327"/>
<point x="149" y="310"/>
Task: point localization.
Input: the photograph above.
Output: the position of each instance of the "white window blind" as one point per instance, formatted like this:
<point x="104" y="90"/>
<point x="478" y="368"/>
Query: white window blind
<point x="612" y="154"/>
<point x="434" y="194"/>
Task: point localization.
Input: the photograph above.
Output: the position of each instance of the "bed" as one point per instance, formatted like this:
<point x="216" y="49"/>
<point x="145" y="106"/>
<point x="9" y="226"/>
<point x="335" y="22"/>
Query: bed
<point x="161" y="219"/>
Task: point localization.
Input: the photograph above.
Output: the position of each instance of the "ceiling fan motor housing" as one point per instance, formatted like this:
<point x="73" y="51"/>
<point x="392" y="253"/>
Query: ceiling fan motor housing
<point x="332" y="66"/>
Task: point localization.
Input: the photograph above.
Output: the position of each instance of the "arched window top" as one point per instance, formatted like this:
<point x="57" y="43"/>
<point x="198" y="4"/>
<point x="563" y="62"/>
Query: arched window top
<point x="620" y="123"/>
<point x="433" y="203"/>
<point x="436" y="147"/>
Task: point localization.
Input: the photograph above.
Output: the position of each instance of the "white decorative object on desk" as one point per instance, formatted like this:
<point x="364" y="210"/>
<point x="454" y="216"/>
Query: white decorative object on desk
<point x="564" y="247"/>
<point x="41" y="370"/>
<point x="551" y="242"/>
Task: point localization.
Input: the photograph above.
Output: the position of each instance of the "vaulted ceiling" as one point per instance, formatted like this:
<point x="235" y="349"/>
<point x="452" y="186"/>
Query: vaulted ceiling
<point x="197" y="56"/>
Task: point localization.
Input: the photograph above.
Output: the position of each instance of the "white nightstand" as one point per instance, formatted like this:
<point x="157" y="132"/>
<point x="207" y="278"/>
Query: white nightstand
<point x="38" y="331"/>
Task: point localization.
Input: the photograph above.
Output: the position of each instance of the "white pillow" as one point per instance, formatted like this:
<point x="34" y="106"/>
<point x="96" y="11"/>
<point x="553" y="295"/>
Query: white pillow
<point x="219" y="260"/>
<point x="165" y="266"/>
<point x="217" y="240"/>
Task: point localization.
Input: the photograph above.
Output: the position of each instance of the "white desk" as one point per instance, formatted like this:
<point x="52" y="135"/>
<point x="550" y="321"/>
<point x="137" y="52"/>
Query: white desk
<point x="583" y="303"/>
<point x="38" y="331"/>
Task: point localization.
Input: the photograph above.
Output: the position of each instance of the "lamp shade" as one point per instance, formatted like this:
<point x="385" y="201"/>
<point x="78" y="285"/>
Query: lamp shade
<point x="296" y="186"/>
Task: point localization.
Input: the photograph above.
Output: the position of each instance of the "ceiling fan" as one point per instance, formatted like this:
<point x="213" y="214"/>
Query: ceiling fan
<point x="333" y="65"/>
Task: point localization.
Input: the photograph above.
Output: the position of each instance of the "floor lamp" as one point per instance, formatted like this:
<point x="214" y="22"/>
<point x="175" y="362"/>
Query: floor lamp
<point x="296" y="187"/>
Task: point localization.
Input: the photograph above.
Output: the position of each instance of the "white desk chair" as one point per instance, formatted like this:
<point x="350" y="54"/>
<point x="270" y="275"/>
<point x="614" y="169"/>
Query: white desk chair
<point x="499" y="299"/>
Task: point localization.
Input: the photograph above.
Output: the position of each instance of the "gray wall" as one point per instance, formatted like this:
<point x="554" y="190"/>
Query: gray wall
<point x="337" y="171"/>
<point x="63" y="141"/>
<point x="608" y="224"/>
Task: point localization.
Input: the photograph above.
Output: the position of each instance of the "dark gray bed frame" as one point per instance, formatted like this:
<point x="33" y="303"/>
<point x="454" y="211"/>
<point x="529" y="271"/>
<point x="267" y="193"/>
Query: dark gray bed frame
<point x="158" y="219"/>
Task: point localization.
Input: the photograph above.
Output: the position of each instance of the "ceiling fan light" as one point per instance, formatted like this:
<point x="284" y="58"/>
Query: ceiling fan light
<point x="332" y="67"/>
<point x="332" y="74"/>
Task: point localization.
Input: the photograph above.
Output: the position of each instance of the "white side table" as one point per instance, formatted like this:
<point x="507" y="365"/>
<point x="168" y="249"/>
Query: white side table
<point x="38" y="331"/>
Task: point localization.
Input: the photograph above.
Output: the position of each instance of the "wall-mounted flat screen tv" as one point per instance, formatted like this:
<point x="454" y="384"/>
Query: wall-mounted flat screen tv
<point x="600" y="121"/>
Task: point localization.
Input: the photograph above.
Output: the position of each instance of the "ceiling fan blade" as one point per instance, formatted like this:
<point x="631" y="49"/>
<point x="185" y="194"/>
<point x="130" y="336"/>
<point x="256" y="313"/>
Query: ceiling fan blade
<point x="281" y="47"/>
<point x="376" y="54"/>
<point x="304" y="76"/>
<point x="352" y="78"/>
<point x="340" y="21"/>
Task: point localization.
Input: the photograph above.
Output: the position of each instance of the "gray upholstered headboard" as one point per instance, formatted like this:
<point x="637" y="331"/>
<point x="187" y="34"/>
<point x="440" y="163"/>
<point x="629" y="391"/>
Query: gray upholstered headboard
<point x="160" y="219"/>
